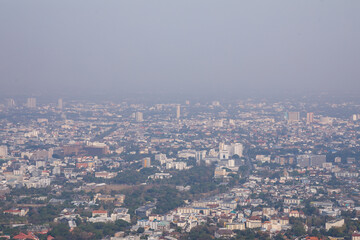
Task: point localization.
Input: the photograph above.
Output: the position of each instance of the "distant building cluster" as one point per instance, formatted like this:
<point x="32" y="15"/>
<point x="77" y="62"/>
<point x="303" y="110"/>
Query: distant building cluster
<point x="163" y="171"/>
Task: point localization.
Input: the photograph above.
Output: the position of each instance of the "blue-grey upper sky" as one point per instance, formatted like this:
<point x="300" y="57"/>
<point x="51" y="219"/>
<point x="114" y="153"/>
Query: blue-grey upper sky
<point x="180" y="47"/>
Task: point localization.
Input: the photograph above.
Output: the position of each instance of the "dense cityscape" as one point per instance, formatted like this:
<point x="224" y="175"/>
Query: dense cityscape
<point x="180" y="120"/>
<point x="249" y="169"/>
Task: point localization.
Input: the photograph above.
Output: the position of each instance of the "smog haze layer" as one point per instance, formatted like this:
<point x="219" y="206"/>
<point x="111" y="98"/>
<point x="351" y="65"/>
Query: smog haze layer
<point x="174" y="48"/>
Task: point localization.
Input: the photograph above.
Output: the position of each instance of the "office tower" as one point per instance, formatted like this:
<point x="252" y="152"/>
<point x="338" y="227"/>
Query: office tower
<point x="10" y="102"/>
<point x="60" y="103"/>
<point x="199" y="156"/>
<point x="139" y="116"/>
<point x="291" y="160"/>
<point x="286" y="116"/>
<point x="309" y="117"/>
<point x="219" y="123"/>
<point x="231" y="150"/>
<point x="187" y="102"/>
<point x="236" y="149"/>
<point x="178" y="111"/>
<point x="31" y="103"/>
<point x="3" y="151"/>
<point x="221" y="146"/>
<point x="146" y="162"/>
<point x="160" y="157"/>
<point x="294" y="116"/>
<point x="303" y="161"/>
<point x="317" y="160"/>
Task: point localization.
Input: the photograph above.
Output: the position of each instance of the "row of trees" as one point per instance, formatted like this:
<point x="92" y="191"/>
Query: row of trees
<point x="88" y="231"/>
<point x="166" y="198"/>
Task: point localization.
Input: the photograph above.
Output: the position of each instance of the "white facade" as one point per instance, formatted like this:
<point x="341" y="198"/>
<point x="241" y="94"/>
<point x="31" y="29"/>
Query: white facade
<point x="335" y="224"/>
<point x="139" y="116"/>
<point x="60" y="103"/>
<point x="31" y="103"/>
<point x="176" y="165"/>
<point x="3" y="151"/>
<point x="232" y="149"/>
<point x="178" y="111"/>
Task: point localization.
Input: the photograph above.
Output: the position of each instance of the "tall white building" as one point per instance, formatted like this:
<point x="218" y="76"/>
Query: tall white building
<point x="3" y="151"/>
<point x="236" y="148"/>
<point x="160" y="157"/>
<point x="226" y="151"/>
<point x="178" y="111"/>
<point x="139" y="116"/>
<point x="200" y="156"/>
<point x="10" y="102"/>
<point x="60" y="103"/>
<point x="309" y="117"/>
<point x="293" y="116"/>
<point x="221" y="146"/>
<point x="146" y="162"/>
<point x="31" y="103"/>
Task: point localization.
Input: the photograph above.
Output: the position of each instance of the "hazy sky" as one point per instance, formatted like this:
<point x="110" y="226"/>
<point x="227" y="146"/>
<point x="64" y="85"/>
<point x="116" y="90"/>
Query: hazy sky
<point x="200" y="47"/>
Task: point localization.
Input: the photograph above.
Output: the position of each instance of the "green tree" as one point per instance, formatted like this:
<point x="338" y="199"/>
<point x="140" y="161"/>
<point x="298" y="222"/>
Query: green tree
<point x="298" y="229"/>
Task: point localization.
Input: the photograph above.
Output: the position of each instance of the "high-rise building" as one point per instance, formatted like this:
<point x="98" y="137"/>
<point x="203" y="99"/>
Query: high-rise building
<point x="146" y="162"/>
<point x="286" y="116"/>
<point x="293" y="116"/>
<point x="303" y="161"/>
<point x="10" y="102"/>
<point x="199" y="156"/>
<point x="178" y="111"/>
<point x="160" y="157"/>
<point x="236" y="149"/>
<point x="226" y="151"/>
<point x="221" y="146"/>
<point x="355" y="117"/>
<point x="60" y="103"/>
<point x="317" y="160"/>
<point x="139" y="116"/>
<point x="309" y="117"/>
<point x="3" y="151"/>
<point x="31" y="103"/>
